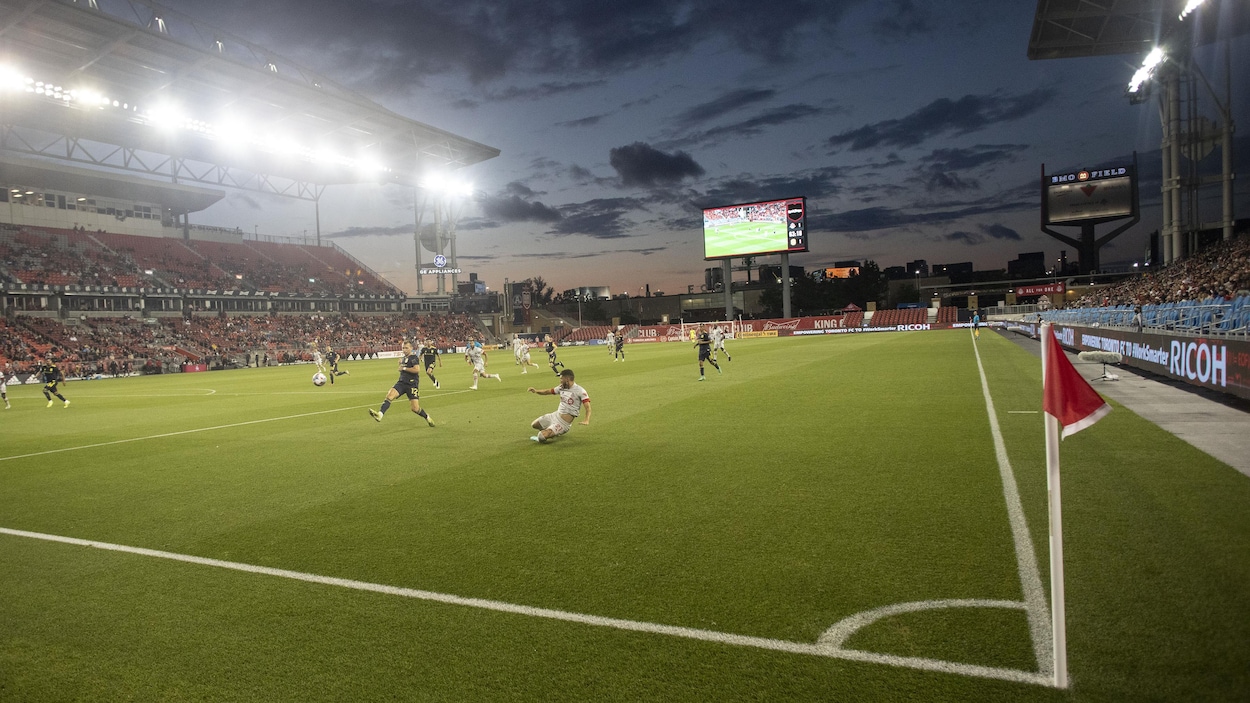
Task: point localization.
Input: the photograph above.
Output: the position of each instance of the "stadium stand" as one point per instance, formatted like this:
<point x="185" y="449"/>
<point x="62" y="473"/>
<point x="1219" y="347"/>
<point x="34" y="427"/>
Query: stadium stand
<point x="62" y="257"/>
<point x="904" y="316"/>
<point x="96" y="343"/>
<point x="1208" y="293"/>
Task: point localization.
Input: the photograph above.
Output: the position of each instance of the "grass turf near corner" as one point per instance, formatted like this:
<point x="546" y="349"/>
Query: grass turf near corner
<point x="815" y="479"/>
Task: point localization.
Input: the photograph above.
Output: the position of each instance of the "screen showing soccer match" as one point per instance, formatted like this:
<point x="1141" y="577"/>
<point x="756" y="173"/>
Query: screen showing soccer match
<point x="755" y="228"/>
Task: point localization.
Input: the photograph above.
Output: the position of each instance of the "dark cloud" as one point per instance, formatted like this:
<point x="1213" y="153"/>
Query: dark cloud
<point x="902" y="20"/>
<point x="728" y="102"/>
<point x="971" y="157"/>
<point x="582" y="122"/>
<point x="749" y="127"/>
<point x="937" y="181"/>
<point x="395" y="45"/>
<point x="512" y="208"/>
<point x="641" y="164"/>
<point x="540" y="91"/>
<point x="602" y="218"/>
<point x="520" y="190"/>
<point x="968" y="114"/>
<point x="858" y="222"/>
<point x="816" y="183"/>
<point x="995" y="231"/>
<point x="398" y="230"/>
<point x="998" y="231"/>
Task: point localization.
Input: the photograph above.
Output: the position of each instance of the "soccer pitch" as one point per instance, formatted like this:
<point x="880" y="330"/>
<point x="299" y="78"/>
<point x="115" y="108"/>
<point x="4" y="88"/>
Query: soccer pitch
<point x="243" y="535"/>
<point x="744" y="238"/>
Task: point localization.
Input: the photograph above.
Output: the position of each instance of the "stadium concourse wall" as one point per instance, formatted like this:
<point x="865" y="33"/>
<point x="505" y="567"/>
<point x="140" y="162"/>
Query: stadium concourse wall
<point x="1212" y="362"/>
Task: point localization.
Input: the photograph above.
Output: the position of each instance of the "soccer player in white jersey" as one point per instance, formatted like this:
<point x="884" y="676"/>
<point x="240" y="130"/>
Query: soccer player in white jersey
<point x="317" y="358"/>
<point x="572" y="399"/>
<point x="4" y="387"/>
<point x="718" y="343"/>
<point x="521" y="349"/>
<point x="610" y="340"/>
<point x="475" y="355"/>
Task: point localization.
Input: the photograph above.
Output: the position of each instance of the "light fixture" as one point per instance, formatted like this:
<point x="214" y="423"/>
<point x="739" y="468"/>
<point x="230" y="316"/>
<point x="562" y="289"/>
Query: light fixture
<point x="1189" y="8"/>
<point x="1152" y="60"/>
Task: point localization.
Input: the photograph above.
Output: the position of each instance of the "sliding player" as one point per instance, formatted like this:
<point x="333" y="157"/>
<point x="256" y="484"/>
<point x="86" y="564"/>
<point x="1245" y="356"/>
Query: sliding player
<point x="704" y="342"/>
<point x="409" y="379"/>
<point x="572" y="399"/>
<point x="474" y="354"/>
<point x="429" y="355"/>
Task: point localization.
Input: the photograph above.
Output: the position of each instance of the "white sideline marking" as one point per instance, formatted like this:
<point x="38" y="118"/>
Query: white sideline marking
<point x="1036" y="607"/>
<point x="192" y="431"/>
<point x="821" y="648"/>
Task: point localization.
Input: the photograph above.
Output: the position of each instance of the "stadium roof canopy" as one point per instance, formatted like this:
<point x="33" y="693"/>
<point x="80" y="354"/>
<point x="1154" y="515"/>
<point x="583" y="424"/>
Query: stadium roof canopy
<point x="1073" y="28"/>
<point x="131" y="85"/>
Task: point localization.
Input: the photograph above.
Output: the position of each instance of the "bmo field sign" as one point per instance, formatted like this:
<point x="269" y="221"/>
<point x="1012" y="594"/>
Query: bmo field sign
<point x="1089" y="195"/>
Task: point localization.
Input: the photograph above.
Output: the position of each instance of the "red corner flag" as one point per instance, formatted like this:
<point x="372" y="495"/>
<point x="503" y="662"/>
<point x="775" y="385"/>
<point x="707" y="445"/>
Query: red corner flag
<point x="1066" y="395"/>
<point x="1070" y="404"/>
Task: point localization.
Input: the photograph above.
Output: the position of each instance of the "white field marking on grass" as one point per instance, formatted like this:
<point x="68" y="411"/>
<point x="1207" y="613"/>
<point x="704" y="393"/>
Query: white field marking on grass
<point x="1038" y="609"/>
<point x="814" y="649"/>
<point x="192" y="431"/>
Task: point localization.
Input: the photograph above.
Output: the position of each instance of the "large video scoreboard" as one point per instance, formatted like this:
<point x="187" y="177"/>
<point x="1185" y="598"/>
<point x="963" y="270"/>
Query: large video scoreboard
<point x="767" y="227"/>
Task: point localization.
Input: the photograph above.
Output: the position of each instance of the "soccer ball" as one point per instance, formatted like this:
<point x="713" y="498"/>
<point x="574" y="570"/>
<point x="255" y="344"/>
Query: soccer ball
<point x="319" y="379"/>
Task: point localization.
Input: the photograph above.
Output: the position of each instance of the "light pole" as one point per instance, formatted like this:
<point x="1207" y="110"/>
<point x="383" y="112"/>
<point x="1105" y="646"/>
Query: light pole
<point x="918" y="297"/>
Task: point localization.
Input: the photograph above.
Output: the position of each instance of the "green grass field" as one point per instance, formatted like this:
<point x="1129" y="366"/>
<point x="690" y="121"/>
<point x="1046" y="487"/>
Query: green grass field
<point x="744" y="238"/>
<point x="660" y="552"/>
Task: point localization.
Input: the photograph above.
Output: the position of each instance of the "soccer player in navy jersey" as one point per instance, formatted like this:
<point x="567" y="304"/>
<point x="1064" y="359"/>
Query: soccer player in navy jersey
<point x="429" y="356"/>
<point x="551" y="355"/>
<point x="332" y="364"/>
<point x="409" y="379"/>
<point x="704" y="342"/>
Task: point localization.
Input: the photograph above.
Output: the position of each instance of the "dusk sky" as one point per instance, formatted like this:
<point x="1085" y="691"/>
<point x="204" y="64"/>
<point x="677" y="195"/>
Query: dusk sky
<point x="916" y="130"/>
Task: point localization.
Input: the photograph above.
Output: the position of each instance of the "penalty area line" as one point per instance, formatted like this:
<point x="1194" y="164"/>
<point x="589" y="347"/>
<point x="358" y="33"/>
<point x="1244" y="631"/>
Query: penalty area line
<point x="825" y="649"/>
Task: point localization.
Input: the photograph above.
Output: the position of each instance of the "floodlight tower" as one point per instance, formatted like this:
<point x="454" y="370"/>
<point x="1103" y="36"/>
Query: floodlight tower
<point x="439" y="205"/>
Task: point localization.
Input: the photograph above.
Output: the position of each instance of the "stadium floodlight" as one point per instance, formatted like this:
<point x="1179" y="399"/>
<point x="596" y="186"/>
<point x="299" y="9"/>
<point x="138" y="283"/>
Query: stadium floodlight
<point x="1189" y="8"/>
<point x="164" y="116"/>
<point x="1152" y="61"/>
<point x="11" y="78"/>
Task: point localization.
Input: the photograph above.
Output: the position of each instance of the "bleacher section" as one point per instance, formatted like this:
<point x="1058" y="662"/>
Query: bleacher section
<point x="1210" y="316"/>
<point x="27" y="340"/>
<point x="585" y="334"/>
<point x="892" y="317"/>
<point x="64" y="257"/>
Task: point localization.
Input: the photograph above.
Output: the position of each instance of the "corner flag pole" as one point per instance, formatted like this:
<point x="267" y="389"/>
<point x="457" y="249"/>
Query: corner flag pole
<point x="1057" y="611"/>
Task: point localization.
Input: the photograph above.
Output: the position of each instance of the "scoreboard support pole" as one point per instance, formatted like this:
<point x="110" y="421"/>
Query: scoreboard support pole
<point x="785" y="285"/>
<point x="729" y="289"/>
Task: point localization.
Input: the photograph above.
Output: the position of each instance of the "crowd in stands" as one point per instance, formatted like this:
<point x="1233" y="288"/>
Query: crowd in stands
<point x="1219" y="271"/>
<point x="104" y="345"/>
<point x="77" y="257"/>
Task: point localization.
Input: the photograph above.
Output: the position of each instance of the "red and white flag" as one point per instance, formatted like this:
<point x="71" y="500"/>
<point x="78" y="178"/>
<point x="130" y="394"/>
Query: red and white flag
<point x="1066" y="395"/>
<point x="1070" y="405"/>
